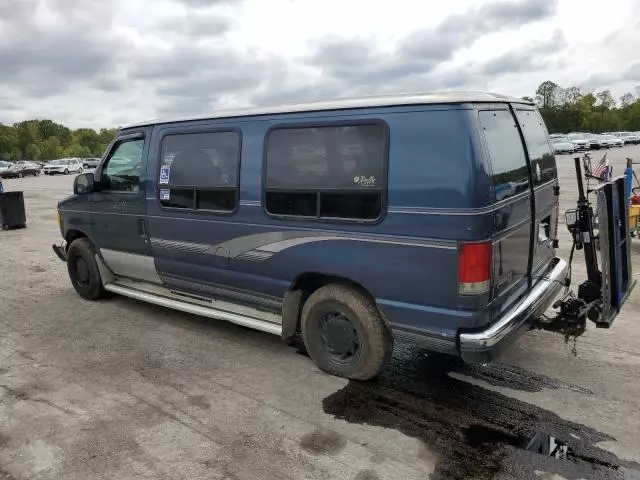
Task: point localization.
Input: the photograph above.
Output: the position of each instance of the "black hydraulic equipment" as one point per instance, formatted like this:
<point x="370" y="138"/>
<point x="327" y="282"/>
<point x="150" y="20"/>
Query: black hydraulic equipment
<point x="609" y="277"/>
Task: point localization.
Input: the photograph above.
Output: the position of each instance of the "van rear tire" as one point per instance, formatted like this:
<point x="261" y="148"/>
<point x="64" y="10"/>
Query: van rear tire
<point x="83" y="270"/>
<point x="345" y="334"/>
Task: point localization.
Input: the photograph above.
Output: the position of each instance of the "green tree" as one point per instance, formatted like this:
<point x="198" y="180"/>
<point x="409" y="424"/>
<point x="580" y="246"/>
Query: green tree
<point x="546" y="95"/>
<point x="9" y="149"/>
<point x="50" y="148"/>
<point x="570" y="109"/>
<point x="77" y="150"/>
<point x="32" y="152"/>
<point x="626" y="99"/>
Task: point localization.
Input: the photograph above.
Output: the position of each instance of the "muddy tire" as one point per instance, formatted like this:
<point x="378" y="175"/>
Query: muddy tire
<point x="83" y="270"/>
<point x="345" y="334"/>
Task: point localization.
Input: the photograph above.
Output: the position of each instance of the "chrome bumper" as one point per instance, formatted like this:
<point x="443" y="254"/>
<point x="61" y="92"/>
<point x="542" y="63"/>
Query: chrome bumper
<point x="483" y="345"/>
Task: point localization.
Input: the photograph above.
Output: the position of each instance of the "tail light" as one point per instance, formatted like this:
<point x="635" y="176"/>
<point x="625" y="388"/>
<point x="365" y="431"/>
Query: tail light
<point x="474" y="268"/>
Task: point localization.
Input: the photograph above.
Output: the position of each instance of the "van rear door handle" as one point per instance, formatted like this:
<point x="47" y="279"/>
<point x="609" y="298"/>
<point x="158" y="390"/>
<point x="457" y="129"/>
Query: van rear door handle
<point x="142" y="228"/>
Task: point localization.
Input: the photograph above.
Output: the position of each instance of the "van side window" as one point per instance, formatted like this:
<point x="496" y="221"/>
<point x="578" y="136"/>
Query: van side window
<point x="543" y="163"/>
<point x="326" y="172"/>
<point x="122" y="170"/>
<point x="199" y="171"/>
<point x="506" y="153"/>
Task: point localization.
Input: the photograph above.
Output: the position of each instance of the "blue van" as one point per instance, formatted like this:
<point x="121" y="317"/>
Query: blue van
<point x="350" y="223"/>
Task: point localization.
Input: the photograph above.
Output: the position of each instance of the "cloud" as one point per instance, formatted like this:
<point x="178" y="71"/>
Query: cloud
<point x="532" y="56"/>
<point x="632" y="73"/>
<point x="196" y="25"/>
<point x="359" y="61"/>
<point x="42" y="56"/>
<point x="121" y="60"/>
<point x="205" y="3"/>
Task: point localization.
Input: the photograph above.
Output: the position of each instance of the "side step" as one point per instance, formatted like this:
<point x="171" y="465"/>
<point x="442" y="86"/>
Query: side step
<point x="205" y="307"/>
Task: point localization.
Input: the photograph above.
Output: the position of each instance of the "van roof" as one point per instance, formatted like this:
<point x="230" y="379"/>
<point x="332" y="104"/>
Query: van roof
<point x="349" y="103"/>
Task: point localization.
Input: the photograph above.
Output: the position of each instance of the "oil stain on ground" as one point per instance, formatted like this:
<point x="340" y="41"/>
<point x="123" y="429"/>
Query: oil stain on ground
<point x="476" y="433"/>
<point x="321" y="441"/>
<point x="366" y="475"/>
<point x="6" y="475"/>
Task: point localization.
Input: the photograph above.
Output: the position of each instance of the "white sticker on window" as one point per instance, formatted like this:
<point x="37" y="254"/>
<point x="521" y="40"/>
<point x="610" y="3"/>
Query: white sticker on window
<point x="165" y="173"/>
<point x="365" y="181"/>
<point x="164" y="194"/>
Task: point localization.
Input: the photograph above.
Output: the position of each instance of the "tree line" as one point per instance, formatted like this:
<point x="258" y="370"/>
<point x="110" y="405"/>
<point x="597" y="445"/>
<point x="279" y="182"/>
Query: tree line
<point x="563" y="109"/>
<point x="572" y="110"/>
<point x="48" y="140"/>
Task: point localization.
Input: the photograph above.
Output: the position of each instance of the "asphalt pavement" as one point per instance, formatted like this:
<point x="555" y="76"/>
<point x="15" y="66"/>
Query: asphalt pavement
<point x="119" y="389"/>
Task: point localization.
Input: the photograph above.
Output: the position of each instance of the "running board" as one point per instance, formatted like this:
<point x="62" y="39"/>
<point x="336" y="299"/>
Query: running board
<point x="202" y="306"/>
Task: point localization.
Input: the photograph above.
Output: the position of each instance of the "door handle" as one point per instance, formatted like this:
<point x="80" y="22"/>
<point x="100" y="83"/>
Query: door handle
<point x="142" y="228"/>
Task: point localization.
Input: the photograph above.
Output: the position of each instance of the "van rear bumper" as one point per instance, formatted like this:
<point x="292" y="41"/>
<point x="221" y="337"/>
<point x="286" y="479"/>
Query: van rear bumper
<point x="484" y="345"/>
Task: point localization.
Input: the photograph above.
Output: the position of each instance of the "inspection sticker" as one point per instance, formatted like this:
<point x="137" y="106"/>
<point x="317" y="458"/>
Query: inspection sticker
<point x="165" y="173"/>
<point x="164" y="194"/>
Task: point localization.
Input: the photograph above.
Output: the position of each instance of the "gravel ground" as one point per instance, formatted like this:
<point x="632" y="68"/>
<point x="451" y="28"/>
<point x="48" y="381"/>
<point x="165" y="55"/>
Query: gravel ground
<point x="119" y="389"/>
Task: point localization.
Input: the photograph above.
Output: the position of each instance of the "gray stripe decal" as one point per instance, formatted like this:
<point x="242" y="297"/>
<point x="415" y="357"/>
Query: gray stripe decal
<point x="178" y="245"/>
<point x="240" y="245"/>
<point x="274" y="242"/>
<point x="262" y="246"/>
<point x="255" y="256"/>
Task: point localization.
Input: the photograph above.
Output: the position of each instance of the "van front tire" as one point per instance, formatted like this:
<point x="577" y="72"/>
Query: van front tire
<point x="345" y="334"/>
<point x="83" y="270"/>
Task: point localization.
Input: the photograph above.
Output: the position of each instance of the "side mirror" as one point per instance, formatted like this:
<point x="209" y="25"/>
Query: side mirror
<point x="83" y="184"/>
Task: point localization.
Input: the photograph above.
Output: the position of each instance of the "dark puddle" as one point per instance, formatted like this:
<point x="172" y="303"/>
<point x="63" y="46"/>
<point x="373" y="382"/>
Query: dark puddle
<point x="513" y="377"/>
<point x="477" y="433"/>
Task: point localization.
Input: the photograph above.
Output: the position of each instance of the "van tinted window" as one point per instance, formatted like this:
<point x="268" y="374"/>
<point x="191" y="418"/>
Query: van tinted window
<point x="330" y="172"/>
<point x="543" y="162"/>
<point x="200" y="171"/>
<point x="508" y="160"/>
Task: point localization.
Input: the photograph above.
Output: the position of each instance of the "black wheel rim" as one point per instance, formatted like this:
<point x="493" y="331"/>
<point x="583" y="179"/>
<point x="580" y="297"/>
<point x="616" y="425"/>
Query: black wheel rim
<point x="340" y="337"/>
<point x="83" y="276"/>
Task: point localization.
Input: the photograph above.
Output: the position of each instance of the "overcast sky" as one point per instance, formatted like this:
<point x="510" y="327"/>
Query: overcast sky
<point x="101" y="63"/>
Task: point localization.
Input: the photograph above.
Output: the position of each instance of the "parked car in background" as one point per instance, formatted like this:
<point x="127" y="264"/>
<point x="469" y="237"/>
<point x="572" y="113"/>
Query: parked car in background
<point x="21" y="169"/>
<point x="632" y="137"/>
<point x="64" y="166"/>
<point x="612" y="140"/>
<point x="579" y="140"/>
<point x="561" y="144"/>
<point x="596" y="142"/>
<point x="627" y="137"/>
<point x="4" y="166"/>
<point x="90" y="163"/>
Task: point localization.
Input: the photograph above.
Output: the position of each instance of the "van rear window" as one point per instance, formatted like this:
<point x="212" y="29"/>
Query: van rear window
<point x="507" y="156"/>
<point x="543" y="162"/>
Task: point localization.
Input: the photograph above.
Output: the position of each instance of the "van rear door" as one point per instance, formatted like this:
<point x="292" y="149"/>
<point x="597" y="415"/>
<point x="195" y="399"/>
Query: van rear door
<point x="545" y="179"/>
<point x="512" y="225"/>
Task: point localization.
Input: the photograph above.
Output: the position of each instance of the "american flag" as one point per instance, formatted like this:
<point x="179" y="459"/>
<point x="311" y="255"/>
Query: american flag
<point x="601" y="168"/>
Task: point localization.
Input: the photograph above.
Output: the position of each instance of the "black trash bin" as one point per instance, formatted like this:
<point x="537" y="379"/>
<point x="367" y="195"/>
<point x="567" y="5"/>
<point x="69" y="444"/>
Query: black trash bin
<point x="12" y="213"/>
